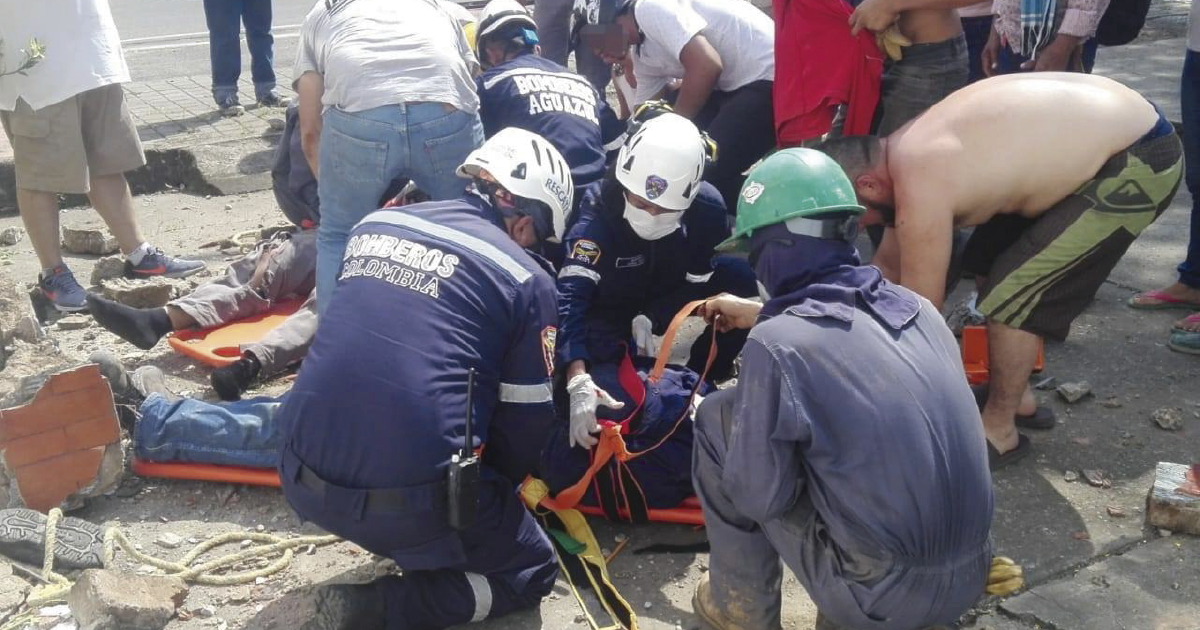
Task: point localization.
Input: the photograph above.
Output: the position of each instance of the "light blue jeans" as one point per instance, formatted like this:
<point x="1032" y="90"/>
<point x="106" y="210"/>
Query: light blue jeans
<point x="362" y="153"/>
<point x="243" y="433"/>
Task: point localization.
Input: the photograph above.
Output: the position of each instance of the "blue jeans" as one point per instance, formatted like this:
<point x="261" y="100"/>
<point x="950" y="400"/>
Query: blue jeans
<point x="225" y="47"/>
<point x="362" y="152"/>
<point x="1189" y="270"/>
<point x="977" y="29"/>
<point x="242" y="433"/>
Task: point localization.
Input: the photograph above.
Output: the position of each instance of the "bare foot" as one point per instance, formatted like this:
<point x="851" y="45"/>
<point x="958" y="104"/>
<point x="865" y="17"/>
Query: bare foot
<point x="1191" y="323"/>
<point x="1179" y="291"/>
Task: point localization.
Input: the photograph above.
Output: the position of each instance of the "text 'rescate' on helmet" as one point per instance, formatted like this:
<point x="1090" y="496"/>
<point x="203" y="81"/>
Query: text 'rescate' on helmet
<point x="593" y="22"/>
<point x="663" y="161"/>
<point x="533" y="172"/>
<point x="803" y="188"/>
<point x="505" y="18"/>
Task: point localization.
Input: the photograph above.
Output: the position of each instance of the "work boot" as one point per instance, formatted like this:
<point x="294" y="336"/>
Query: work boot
<point x="157" y="263"/>
<point x="231" y="380"/>
<point x="707" y="610"/>
<point x="347" y="607"/>
<point x="78" y="544"/>
<point x="63" y="290"/>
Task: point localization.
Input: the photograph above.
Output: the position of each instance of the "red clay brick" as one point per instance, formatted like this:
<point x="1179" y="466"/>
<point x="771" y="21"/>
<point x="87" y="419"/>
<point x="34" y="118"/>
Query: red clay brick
<point x="48" y="410"/>
<point x="45" y="484"/>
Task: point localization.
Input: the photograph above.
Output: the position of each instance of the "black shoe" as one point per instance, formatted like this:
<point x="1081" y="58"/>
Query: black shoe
<point x="347" y="607"/>
<point x="230" y="381"/>
<point x="78" y="543"/>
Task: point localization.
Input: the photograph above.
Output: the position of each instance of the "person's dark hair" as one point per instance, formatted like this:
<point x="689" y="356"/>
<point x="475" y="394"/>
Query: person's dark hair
<point x="514" y="38"/>
<point x="855" y="154"/>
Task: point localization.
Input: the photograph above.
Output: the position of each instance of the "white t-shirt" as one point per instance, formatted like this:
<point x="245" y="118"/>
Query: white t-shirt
<point x="83" y="50"/>
<point x="373" y="53"/>
<point x="740" y="33"/>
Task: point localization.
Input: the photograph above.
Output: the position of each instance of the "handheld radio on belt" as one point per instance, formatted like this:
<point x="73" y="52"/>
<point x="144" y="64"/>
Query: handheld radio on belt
<point x="463" y="484"/>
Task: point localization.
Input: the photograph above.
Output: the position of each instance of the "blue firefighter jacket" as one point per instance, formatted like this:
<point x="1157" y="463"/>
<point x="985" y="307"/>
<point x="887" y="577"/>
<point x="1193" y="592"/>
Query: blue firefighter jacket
<point x="610" y="274"/>
<point x="538" y="95"/>
<point x="423" y="295"/>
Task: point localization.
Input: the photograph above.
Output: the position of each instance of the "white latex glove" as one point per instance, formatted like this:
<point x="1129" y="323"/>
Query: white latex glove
<point x="585" y="398"/>
<point x="643" y="338"/>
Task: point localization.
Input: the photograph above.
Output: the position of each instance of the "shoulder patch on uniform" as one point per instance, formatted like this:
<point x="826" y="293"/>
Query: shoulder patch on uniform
<point x="585" y="251"/>
<point x="655" y="187"/>
<point x="549" y="336"/>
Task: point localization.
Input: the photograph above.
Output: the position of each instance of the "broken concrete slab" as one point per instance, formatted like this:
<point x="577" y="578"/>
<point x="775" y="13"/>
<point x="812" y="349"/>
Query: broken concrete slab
<point x="53" y="444"/>
<point x="14" y="306"/>
<point x="73" y="322"/>
<point x="1174" y="502"/>
<point x="11" y="235"/>
<point x="1155" y="585"/>
<point x="1074" y="392"/>
<point x="108" y="600"/>
<point x="91" y="241"/>
<point x="148" y="293"/>
<point x="1168" y="418"/>
<point x="108" y="268"/>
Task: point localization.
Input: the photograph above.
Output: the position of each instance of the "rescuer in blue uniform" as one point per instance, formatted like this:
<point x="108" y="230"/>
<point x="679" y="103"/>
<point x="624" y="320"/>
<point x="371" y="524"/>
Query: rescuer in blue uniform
<point x="639" y="247"/>
<point x="378" y="411"/>
<point x="519" y="88"/>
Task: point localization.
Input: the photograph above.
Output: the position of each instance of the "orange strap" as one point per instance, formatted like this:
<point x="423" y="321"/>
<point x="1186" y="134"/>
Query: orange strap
<point x="612" y="444"/>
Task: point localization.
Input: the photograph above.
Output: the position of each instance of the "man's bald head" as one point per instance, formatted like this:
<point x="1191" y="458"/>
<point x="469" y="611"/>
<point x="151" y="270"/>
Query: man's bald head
<point x="862" y="158"/>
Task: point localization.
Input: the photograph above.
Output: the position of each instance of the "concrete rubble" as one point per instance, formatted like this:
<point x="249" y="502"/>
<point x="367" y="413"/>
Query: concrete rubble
<point x="11" y="235"/>
<point x="1168" y="418"/>
<point x="108" y="600"/>
<point x="1174" y="501"/>
<point x="90" y="241"/>
<point x="1074" y="392"/>
<point x="108" y="268"/>
<point x="148" y="293"/>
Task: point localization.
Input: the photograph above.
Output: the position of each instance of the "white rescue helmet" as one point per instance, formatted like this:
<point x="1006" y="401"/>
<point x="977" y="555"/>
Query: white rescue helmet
<point x="663" y="161"/>
<point x="498" y="14"/>
<point x="529" y="168"/>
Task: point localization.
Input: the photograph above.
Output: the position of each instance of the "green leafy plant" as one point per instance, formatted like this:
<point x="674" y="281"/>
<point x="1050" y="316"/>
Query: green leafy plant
<point x="34" y="53"/>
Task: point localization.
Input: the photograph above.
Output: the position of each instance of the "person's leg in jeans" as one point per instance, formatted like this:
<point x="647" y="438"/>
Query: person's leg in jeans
<point x="976" y="29"/>
<point x="927" y="74"/>
<point x="1187" y="288"/>
<point x="439" y="141"/>
<point x="361" y="153"/>
<point x="744" y="129"/>
<point x="224" y="48"/>
<point x="244" y="433"/>
<point x="553" y="18"/>
<point x="593" y="68"/>
<point x="256" y="16"/>
<point x="745" y="576"/>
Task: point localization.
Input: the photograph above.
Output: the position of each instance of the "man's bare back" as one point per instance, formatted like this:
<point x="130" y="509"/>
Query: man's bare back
<point x="1016" y="144"/>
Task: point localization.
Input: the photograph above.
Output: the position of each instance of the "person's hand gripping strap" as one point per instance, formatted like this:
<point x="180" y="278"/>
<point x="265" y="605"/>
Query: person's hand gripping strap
<point x="585" y="398"/>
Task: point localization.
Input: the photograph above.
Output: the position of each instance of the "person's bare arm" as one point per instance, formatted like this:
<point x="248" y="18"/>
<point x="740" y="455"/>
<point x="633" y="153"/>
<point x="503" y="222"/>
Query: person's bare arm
<point x="887" y="256"/>
<point x="877" y="15"/>
<point x="925" y="237"/>
<point x="701" y="68"/>
<point x="309" y="89"/>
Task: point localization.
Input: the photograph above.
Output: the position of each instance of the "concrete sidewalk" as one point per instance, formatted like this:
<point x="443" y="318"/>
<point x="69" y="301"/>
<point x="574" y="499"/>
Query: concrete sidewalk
<point x="187" y="143"/>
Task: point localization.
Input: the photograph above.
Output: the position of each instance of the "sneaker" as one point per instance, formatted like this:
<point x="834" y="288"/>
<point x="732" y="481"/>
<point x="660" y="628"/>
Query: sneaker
<point x="159" y="264"/>
<point x="273" y="99"/>
<point x="63" y="290"/>
<point x="78" y="543"/>
<point x="231" y="380"/>
<point x="147" y="380"/>
<point x="229" y="107"/>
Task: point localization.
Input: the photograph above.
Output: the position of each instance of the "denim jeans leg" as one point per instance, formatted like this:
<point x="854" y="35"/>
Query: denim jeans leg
<point x="439" y="141"/>
<point x="244" y="433"/>
<point x="977" y="30"/>
<point x="256" y="16"/>
<point x="360" y="154"/>
<point x="1189" y="270"/>
<point x="224" y="46"/>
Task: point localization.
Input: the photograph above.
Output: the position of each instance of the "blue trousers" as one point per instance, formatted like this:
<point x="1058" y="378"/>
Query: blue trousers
<point x="976" y="29"/>
<point x="362" y="153"/>
<point x="225" y="19"/>
<point x="501" y="564"/>
<point x="242" y="433"/>
<point x="1189" y="270"/>
<point x="1010" y="61"/>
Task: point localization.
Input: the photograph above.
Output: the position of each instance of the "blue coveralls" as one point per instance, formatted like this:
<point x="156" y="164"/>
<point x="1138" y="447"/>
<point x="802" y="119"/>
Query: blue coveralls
<point x="855" y="452"/>
<point x="611" y="275"/>
<point x="378" y="409"/>
<point x="538" y="95"/>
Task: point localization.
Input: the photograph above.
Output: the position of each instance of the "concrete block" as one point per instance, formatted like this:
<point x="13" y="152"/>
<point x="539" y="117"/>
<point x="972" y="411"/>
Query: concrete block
<point x="1174" y="501"/>
<point x="108" y="600"/>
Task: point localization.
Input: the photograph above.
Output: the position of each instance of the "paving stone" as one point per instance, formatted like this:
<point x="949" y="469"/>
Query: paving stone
<point x="1155" y="585"/>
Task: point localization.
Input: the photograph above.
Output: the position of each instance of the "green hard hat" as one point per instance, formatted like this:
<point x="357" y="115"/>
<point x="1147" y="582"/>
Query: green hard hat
<point x="790" y="184"/>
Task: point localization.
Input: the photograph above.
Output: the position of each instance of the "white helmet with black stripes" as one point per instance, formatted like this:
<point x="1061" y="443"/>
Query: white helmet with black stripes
<point x="532" y="171"/>
<point x="663" y="161"/>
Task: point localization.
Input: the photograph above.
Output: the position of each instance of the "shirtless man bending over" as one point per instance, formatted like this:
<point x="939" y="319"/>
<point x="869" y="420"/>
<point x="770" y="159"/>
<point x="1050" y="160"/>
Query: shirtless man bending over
<point x="1060" y="171"/>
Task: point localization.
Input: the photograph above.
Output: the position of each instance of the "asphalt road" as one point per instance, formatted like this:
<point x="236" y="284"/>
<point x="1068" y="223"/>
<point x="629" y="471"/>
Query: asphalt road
<point x="168" y="38"/>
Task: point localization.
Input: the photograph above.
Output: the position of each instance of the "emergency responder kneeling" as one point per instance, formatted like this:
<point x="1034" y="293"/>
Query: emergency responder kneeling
<point x="851" y="446"/>
<point x="376" y="427"/>
<point x="638" y="249"/>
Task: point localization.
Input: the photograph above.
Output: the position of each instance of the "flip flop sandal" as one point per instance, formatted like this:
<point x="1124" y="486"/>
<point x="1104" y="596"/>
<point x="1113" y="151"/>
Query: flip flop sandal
<point x="1185" y="342"/>
<point x="1165" y="302"/>
<point x="1194" y="319"/>
<point x="998" y="460"/>
<point x="1041" y="419"/>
